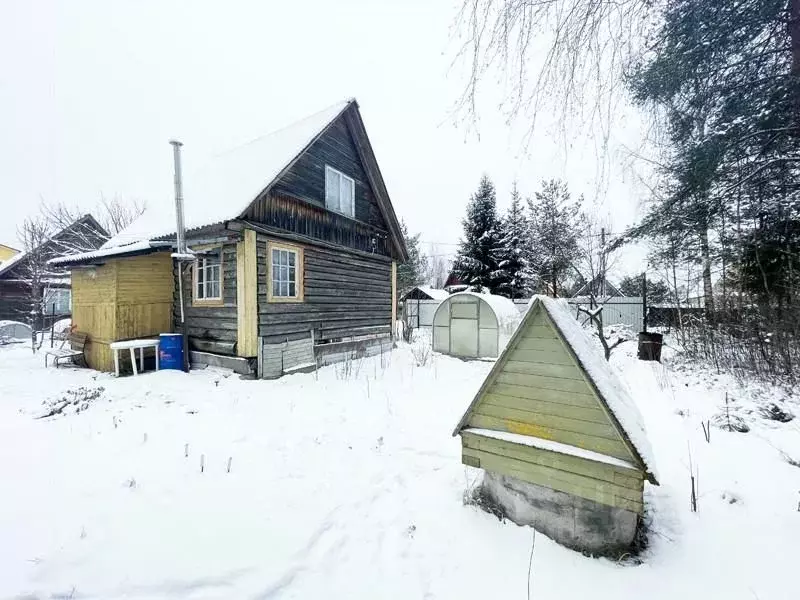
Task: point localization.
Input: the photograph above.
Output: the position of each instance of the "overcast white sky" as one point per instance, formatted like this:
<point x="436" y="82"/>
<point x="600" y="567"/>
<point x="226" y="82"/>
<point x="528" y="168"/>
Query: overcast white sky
<point x="91" y="92"/>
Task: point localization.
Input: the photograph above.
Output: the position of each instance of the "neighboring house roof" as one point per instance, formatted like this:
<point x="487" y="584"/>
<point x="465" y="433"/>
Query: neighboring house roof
<point x="86" y="220"/>
<point x="430" y="292"/>
<point x="453" y="279"/>
<point x="231" y="182"/>
<point x="609" y="389"/>
<point x="611" y="289"/>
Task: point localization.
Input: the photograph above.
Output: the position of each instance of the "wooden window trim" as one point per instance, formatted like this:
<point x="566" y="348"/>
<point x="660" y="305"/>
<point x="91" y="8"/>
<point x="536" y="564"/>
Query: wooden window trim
<point x="299" y="272"/>
<point x="209" y="301"/>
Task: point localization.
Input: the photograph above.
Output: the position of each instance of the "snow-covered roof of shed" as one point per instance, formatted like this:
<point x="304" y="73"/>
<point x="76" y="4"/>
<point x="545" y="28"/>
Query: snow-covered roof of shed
<point x="134" y="248"/>
<point x="611" y="389"/>
<point x="227" y="185"/>
<point x="433" y="292"/>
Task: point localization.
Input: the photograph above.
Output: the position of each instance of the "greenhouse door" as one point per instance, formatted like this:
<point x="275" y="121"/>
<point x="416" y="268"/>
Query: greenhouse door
<point x="464" y="329"/>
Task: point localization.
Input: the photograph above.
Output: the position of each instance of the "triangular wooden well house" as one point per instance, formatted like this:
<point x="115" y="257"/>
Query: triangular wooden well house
<point x="552" y="417"/>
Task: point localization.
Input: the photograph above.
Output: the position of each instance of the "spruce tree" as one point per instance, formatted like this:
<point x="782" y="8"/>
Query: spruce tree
<point x="515" y="276"/>
<point x="412" y="272"/>
<point x="476" y="262"/>
<point x="556" y="222"/>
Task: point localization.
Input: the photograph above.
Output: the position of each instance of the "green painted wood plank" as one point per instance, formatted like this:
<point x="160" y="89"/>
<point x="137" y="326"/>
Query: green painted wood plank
<point x="549" y="383"/>
<point x="535" y="368"/>
<point x="555" y="423"/>
<point x="551" y="477"/>
<point x="570" y="483"/>
<point x="588" y="442"/>
<point x="541" y="356"/>
<point x="518" y="391"/>
<point x="539" y="331"/>
<point x="550" y="471"/>
<point x="587" y="412"/>
<point x="627" y="478"/>
<point x="546" y="344"/>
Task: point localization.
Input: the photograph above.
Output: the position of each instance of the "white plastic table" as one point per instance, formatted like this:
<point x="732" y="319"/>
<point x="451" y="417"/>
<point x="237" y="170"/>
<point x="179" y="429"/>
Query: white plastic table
<point x="132" y="345"/>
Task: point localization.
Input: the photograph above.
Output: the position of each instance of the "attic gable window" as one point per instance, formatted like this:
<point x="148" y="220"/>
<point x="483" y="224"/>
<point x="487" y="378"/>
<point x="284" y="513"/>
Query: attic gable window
<point x="340" y="192"/>
<point x="208" y="278"/>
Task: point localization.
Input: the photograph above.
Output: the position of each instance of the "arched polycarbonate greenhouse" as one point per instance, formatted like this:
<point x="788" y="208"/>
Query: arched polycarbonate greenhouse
<point x="470" y="325"/>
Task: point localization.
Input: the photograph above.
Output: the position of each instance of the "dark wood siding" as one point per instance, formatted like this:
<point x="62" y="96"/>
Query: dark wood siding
<point x="15" y="301"/>
<point x="211" y="323"/>
<point x="345" y="296"/>
<point x="285" y="213"/>
<point x="296" y="202"/>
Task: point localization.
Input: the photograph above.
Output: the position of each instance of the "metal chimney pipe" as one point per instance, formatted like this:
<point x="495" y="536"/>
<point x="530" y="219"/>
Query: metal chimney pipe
<point x="176" y="153"/>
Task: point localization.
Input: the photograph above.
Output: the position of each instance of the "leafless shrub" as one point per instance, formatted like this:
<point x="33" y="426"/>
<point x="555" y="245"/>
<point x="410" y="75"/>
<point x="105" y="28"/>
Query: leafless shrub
<point x="350" y="367"/>
<point x="76" y="401"/>
<point x="480" y="497"/>
<point x="760" y="344"/>
<point x="421" y="351"/>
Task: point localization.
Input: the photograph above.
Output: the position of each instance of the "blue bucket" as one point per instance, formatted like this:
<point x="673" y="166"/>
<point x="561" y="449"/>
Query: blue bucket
<point x="170" y="351"/>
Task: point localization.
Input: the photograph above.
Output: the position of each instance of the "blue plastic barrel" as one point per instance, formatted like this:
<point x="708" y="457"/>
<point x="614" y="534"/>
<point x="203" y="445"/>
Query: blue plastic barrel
<point x="170" y="351"/>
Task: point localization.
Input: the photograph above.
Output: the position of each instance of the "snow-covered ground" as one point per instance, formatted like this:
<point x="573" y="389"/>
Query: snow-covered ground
<point x="347" y="484"/>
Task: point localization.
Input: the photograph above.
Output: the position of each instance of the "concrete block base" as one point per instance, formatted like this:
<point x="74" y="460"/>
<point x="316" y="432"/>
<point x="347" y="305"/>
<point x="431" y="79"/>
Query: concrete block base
<point x="574" y="522"/>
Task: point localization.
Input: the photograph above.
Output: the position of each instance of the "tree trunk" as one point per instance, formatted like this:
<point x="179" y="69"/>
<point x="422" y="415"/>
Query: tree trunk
<point x="793" y="25"/>
<point x="708" y="290"/>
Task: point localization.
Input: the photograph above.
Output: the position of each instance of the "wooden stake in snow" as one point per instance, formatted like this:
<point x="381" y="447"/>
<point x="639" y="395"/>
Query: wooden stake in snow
<point x="230" y="458"/>
<point x="693" y="496"/>
<point x="186" y="450"/>
<point x="202" y="463"/>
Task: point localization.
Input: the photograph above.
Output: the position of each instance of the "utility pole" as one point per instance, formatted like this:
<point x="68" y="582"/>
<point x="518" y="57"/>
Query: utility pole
<point x="603" y="262"/>
<point x="644" y="301"/>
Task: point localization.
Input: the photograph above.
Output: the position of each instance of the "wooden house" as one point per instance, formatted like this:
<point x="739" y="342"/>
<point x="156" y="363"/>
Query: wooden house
<point x="29" y="287"/>
<point x="296" y="244"/>
<point x="560" y="440"/>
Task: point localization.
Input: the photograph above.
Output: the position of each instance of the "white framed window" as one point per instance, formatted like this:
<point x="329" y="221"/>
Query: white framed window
<point x="58" y="301"/>
<point x="285" y="282"/>
<point x="208" y="277"/>
<point x="340" y="192"/>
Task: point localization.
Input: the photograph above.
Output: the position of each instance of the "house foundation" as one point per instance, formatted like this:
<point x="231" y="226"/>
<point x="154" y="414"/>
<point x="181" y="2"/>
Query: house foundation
<point x="574" y="522"/>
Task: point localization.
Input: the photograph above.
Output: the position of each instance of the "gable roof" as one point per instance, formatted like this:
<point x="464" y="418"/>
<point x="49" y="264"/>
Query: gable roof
<point x="86" y="220"/>
<point x="225" y="188"/>
<point x="610" y="391"/>
<point x="611" y="289"/>
<point x="430" y="292"/>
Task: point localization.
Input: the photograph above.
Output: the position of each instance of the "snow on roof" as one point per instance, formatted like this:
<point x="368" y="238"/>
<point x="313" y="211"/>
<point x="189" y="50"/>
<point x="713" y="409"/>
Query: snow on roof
<point x="433" y="292"/>
<point x="609" y="386"/>
<point x="542" y="444"/>
<point x="104" y="252"/>
<point x="6" y="265"/>
<point x="505" y="310"/>
<point x="224" y="188"/>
